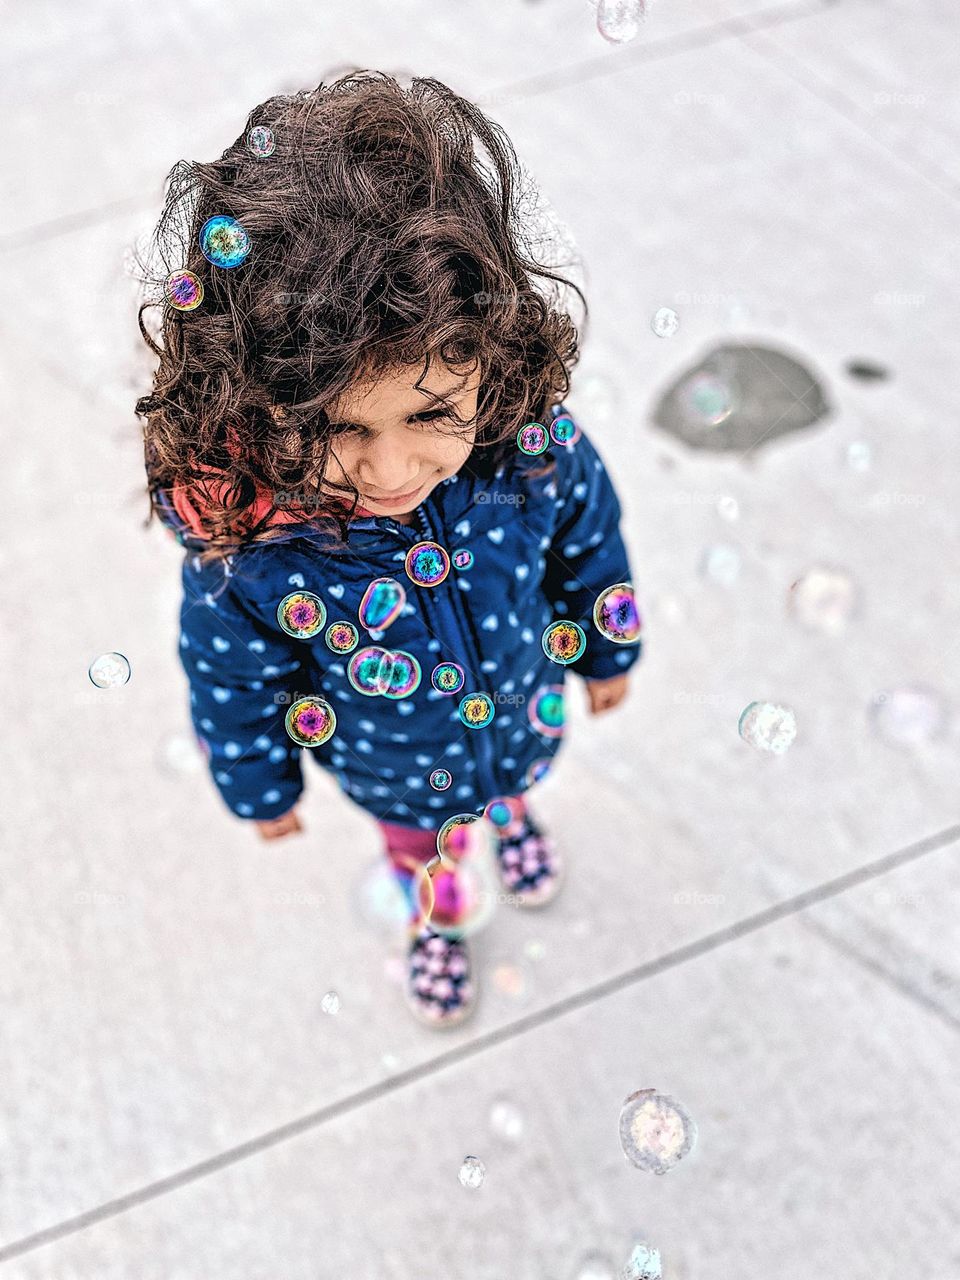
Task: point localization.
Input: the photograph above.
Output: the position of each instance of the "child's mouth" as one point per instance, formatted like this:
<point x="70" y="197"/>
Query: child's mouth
<point x="397" y="500"/>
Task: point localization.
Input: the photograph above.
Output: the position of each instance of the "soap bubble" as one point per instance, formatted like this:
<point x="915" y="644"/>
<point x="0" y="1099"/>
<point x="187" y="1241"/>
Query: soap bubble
<point x="728" y="508"/>
<point x="342" y="637"/>
<point x="448" y="677"/>
<point x="379" y="898"/>
<point x="768" y="727"/>
<point x="563" y="642"/>
<point x="310" y="721"/>
<point x="404" y="677"/>
<point x="534" y="949"/>
<point x="506" y="1120"/>
<point x="462" y="876"/>
<point x="109" y="671"/>
<point x="707" y="398"/>
<point x="615" y="614"/>
<point x="453" y="838"/>
<point x="476" y="710"/>
<point x="665" y="322"/>
<point x="224" y="242"/>
<point x="260" y="141"/>
<point x="441" y="779"/>
<point x="909" y="715"/>
<point x="184" y="290"/>
<point x="721" y="564"/>
<point x="427" y="564"/>
<point x="619" y="20"/>
<point x="509" y="980"/>
<point x="643" y="1264"/>
<point x="181" y="753"/>
<point x="463" y="558"/>
<point x="545" y="710"/>
<point x="655" y="1131"/>
<point x="301" y="614"/>
<point x="330" y="1003"/>
<point x="824" y="599"/>
<point x="471" y="1173"/>
<point x="563" y="430"/>
<point x="538" y="770"/>
<point x="382" y="604"/>
<point x="369" y="670"/>
<point x="532" y="439"/>
<point x="859" y="455"/>
<point x="506" y="813"/>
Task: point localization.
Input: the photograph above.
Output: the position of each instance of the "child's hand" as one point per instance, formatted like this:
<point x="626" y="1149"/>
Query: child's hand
<point x="605" y="694"/>
<point x="273" y="828"/>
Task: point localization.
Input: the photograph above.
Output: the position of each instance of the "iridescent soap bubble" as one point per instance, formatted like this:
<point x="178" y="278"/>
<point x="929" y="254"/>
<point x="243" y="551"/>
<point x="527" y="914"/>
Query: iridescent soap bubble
<point x="909" y="715"/>
<point x="506" y="814"/>
<point x="463" y="558"/>
<point x="665" y="322"/>
<point x="382" y="604"/>
<point x="441" y="779"/>
<point x="768" y="727"/>
<point x="619" y="20"/>
<point x="330" y="1003"/>
<point x="538" y="770"/>
<point x="532" y="439"/>
<point x="545" y="710"/>
<point x="184" y="290"/>
<point x="615" y="614"/>
<point x="342" y="637"/>
<point x="427" y="564"/>
<point x="477" y="710"/>
<point x="721" y="564"/>
<point x="824" y="599"/>
<point x="563" y="642"/>
<point x="506" y="1119"/>
<point x="448" y="677"/>
<point x="109" y="671"/>
<point x="301" y="614"/>
<point x="369" y="670"/>
<point x="656" y="1132"/>
<point x="311" y="721"/>
<point x="223" y="241"/>
<point x="471" y="1173"/>
<point x="455" y="836"/>
<point x="260" y="141"/>
<point x="563" y="430"/>
<point x="707" y="398"/>
<point x="463" y="876"/>
<point x="404" y="676"/>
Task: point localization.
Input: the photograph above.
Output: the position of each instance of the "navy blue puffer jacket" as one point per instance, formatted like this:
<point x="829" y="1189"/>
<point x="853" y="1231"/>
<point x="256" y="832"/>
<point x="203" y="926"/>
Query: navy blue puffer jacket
<point x="543" y="549"/>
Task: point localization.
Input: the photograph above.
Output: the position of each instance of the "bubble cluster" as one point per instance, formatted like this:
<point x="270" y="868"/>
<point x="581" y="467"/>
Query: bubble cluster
<point x="223" y="241"/>
<point x="656" y="1132"/>
<point x="909" y="715"/>
<point x="615" y="614"/>
<point x="369" y="670"/>
<point x="184" y="290"/>
<point x="545" y="710"/>
<point x="471" y="1173"/>
<point x="404" y="677"/>
<point x="477" y="710"/>
<point x="463" y="558"/>
<point x="342" y="637"/>
<point x="109" y="671"/>
<point x="563" y="642"/>
<point x="330" y="1003"/>
<point x="441" y="779"/>
<point x="448" y="677"/>
<point x="563" y="430"/>
<point x="665" y="322"/>
<point x="427" y="564"/>
<point x="382" y="604"/>
<point x="538" y="770"/>
<point x="310" y="721"/>
<point x="301" y="614"/>
<point x="261" y="142"/>
<point x="824" y="599"/>
<point x="532" y="439"/>
<point x="506" y="814"/>
<point x="768" y="727"/>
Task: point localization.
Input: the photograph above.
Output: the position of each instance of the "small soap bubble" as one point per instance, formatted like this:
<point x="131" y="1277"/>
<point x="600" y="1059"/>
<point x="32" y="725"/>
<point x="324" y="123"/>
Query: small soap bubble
<point x="563" y="642"/>
<point x="859" y="455"/>
<point x="643" y="1264"/>
<point x="728" y="508"/>
<point x="448" y="677"/>
<point x="330" y="1003"/>
<point x="721" y="564"/>
<point x="508" y="979"/>
<point x="768" y="727"/>
<point x="824" y="599"/>
<point x="463" y="558"/>
<point x="342" y="637"/>
<point x="506" y="814"/>
<point x="441" y="779"/>
<point x="184" y="290"/>
<point x="538" y="770"/>
<point x="656" y="1132"/>
<point x="545" y="710"/>
<point x="261" y="142"/>
<point x="909" y="715"/>
<point x="404" y="675"/>
<point x="619" y="20"/>
<point x="477" y="710"/>
<point x="427" y="564"/>
<point x="369" y="670"/>
<point x="109" y="671"/>
<point x="379" y="898"/>
<point x="302" y="614"/>
<point x="665" y="322"/>
<point x="471" y="1173"/>
<point x="506" y="1120"/>
<point x="310" y="721"/>
<point x="382" y="604"/>
<point x="595" y="1266"/>
<point x="534" y="949"/>
<point x="615" y="614"/>
<point x="224" y="242"/>
<point x="181" y="753"/>
<point x="563" y="430"/>
<point x="707" y="399"/>
<point x="532" y="439"/>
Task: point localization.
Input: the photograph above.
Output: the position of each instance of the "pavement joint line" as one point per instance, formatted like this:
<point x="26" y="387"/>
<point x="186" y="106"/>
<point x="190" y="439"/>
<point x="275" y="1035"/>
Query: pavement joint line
<point x="589" y="995"/>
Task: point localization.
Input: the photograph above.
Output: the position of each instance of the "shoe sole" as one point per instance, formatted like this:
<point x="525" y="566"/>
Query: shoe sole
<point x="541" y="900"/>
<point x="440" y="1024"/>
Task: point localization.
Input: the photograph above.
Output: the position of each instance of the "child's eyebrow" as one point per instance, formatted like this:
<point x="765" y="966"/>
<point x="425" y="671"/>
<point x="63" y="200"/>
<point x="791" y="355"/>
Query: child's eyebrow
<point x="433" y="399"/>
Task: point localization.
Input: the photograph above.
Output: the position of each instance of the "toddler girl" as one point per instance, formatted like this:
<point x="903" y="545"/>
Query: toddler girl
<point x="397" y="538"/>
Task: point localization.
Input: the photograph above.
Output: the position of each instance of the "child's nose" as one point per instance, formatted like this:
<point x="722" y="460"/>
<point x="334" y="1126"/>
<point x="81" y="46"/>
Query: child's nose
<point x="388" y="470"/>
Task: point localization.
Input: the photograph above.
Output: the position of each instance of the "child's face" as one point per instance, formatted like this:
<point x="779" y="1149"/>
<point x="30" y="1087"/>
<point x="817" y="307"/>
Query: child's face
<point x="394" y="443"/>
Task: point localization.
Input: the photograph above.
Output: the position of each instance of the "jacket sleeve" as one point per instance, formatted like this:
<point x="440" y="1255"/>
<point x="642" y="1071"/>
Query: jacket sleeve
<point x="242" y="673"/>
<point x="587" y="554"/>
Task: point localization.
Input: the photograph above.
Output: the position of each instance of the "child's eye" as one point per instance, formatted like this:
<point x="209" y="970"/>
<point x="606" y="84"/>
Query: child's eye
<point x="433" y="415"/>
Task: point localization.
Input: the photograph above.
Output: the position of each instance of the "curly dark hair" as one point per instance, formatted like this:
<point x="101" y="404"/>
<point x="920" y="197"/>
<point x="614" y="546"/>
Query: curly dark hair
<point x="379" y="238"/>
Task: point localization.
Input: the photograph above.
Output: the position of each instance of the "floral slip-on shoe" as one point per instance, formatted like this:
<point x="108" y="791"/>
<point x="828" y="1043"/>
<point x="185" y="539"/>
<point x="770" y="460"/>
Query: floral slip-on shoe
<point x="439" y="988"/>
<point x="530" y="866"/>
